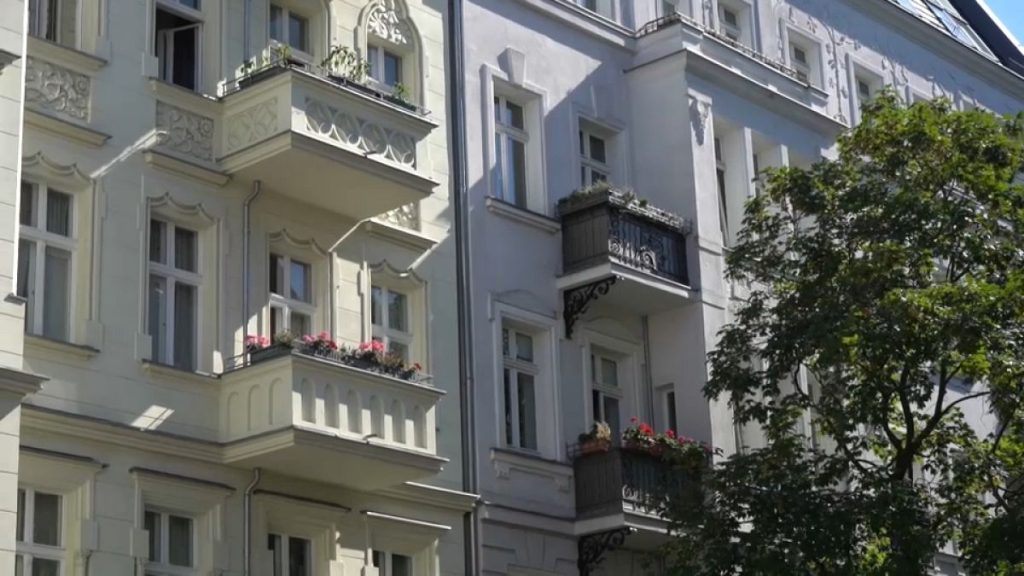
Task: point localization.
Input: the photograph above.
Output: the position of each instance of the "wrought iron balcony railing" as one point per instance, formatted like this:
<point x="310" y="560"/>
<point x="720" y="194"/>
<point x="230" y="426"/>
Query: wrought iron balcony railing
<point x="617" y="479"/>
<point x="613" y="227"/>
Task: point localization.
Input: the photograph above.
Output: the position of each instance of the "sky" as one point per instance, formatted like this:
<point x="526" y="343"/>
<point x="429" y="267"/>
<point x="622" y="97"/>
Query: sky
<point x="1011" y="12"/>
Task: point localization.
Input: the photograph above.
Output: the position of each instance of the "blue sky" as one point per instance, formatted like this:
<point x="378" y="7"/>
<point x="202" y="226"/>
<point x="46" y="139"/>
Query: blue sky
<point x="1011" y="12"/>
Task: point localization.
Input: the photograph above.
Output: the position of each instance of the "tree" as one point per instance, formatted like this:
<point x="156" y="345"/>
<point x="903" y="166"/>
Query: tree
<point x="886" y="304"/>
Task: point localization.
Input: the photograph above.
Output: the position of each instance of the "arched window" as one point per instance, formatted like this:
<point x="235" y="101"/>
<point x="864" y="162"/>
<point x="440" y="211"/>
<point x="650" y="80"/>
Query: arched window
<point x="391" y="47"/>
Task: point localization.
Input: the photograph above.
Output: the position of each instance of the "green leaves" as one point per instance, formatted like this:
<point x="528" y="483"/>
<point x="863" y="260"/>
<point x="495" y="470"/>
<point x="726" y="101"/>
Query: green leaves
<point x="887" y="308"/>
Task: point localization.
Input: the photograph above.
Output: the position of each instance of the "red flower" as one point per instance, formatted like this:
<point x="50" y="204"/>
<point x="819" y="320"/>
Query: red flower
<point x="671" y="434"/>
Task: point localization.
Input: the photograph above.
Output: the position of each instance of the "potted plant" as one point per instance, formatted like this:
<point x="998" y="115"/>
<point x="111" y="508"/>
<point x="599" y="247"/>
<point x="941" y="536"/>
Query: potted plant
<point x="639" y="437"/>
<point x="319" y="345"/>
<point x="598" y="439"/>
<point x="260" y="348"/>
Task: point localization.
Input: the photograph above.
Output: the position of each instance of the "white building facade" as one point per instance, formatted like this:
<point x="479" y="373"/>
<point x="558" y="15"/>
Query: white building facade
<point x="602" y="308"/>
<point x="190" y="174"/>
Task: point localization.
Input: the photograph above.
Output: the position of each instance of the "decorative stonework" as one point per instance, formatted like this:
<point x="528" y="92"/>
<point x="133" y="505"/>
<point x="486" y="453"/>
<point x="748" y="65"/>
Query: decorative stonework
<point x="251" y="125"/>
<point x="407" y="216"/>
<point x="386" y="20"/>
<point x="56" y="89"/>
<point x="699" y="113"/>
<point x="370" y="137"/>
<point x="188" y="133"/>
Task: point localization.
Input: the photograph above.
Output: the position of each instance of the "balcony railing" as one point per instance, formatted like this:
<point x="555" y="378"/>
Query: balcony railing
<point x="611" y="481"/>
<point x="610" y="226"/>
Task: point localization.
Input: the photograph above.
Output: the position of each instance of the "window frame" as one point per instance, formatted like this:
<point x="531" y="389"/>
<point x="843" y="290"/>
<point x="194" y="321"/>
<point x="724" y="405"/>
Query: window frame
<point x="600" y="389"/>
<point x="306" y="52"/>
<point x="42" y="21"/>
<point x="613" y="8"/>
<point x="29" y="551"/>
<point x="197" y="22"/>
<point x="284" y="302"/>
<point x="172" y="276"/>
<point x="743" y="29"/>
<point x="283" y="567"/>
<point x="588" y="164"/>
<point x="507" y="133"/>
<point x="383" y="331"/>
<point x="377" y="53"/>
<point x="163" y="567"/>
<point x="388" y="568"/>
<point x="511" y="367"/>
<point x="721" y="171"/>
<point x="812" y="49"/>
<point x="42" y="238"/>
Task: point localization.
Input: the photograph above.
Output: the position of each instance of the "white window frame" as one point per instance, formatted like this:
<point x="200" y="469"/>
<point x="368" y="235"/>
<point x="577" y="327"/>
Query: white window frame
<point x="283" y="567"/>
<point x="383" y="331"/>
<point x="305" y="53"/>
<point x="589" y="165"/>
<point x="801" y="66"/>
<point x="166" y="65"/>
<point x="859" y="71"/>
<point x="376" y="57"/>
<point x="41" y="24"/>
<point x="37" y="233"/>
<point x="388" y="568"/>
<point x="28" y="550"/>
<point x="513" y="365"/>
<point x="812" y="48"/>
<point x="508" y="133"/>
<point x="612" y="5"/>
<point x="597" y="385"/>
<point x="289" y="305"/>
<point x="162" y="567"/>
<point x="670" y="412"/>
<point x="721" y="171"/>
<point x="172" y="276"/>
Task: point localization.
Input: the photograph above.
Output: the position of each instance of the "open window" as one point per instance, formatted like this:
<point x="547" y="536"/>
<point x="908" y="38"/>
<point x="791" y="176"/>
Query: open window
<point x="177" y="31"/>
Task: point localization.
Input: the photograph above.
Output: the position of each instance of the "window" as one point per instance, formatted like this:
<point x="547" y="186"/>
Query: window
<point x="729" y="22"/>
<point x="723" y="205"/>
<point x="53" y="20"/>
<point x="510" y="141"/>
<point x="863" y="90"/>
<point x="45" y="252"/>
<point x="603" y="7"/>
<point x="291" y="556"/>
<point x="174" y="282"/>
<point x="800" y="62"/>
<point x="668" y="400"/>
<point x="385" y="65"/>
<point x="177" y="42"/>
<point x="391" y="564"/>
<point x="171" y="543"/>
<point x="389" y="316"/>
<point x="519" y="375"/>
<point x="605" y="392"/>
<point x="668" y="7"/>
<point x="866" y="85"/>
<point x="953" y="24"/>
<point x="291" y="295"/>
<point x="593" y="158"/>
<point x="288" y="27"/>
<point x="39" y="533"/>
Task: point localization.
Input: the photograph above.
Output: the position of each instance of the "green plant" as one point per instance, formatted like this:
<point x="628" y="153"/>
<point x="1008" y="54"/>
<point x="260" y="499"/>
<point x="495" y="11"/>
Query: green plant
<point x="284" y="338"/>
<point x="599" y="432"/>
<point x="345" y="62"/>
<point x="400" y="92"/>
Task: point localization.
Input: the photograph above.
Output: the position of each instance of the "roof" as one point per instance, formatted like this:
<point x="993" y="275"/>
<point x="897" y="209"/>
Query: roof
<point x="997" y="36"/>
<point x="946" y="17"/>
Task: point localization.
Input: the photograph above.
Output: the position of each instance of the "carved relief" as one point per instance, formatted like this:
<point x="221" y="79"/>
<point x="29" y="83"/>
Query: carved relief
<point x="407" y="216"/>
<point x="835" y="42"/>
<point x="252" y="124"/>
<point x="370" y="137"/>
<point x="56" y="89"/>
<point x="188" y="133"/>
<point x="699" y="113"/>
<point x="385" y="20"/>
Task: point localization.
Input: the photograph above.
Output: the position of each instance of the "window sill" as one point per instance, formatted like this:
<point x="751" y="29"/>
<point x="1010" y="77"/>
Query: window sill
<point x="506" y="460"/>
<point x="44" y="344"/>
<point x="74" y="59"/>
<point x="523" y="216"/>
<point x="41" y="120"/>
<point x="169" y="373"/>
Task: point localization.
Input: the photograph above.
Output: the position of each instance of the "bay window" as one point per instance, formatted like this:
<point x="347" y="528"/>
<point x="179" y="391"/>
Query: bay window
<point x="519" y="380"/>
<point x="39" y="533"/>
<point x="291" y="295"/>
<point x="45" y="255"/>
<point x="390" y="319"/>
<point x="174" y="287"/>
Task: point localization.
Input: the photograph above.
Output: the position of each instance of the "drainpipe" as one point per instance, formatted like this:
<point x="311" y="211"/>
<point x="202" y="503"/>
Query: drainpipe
<point x="246" y="35"/>
<point x="463" y="282"/>
<point x="247" y="522"/>
<point x="257" y="186"/>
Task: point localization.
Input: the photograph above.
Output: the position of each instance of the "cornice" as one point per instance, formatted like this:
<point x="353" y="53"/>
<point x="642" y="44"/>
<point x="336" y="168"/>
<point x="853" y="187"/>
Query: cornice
<point x="185" y="168"/>
<point x="433" y="495"/>
<point x="399" y="235"/>
<point x="64" y="129"/>
<point x="19" y="382"/>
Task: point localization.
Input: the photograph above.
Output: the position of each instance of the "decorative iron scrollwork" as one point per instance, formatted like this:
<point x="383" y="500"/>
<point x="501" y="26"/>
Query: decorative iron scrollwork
<point x="576" y="301"/>
<point x="592" y="548"/>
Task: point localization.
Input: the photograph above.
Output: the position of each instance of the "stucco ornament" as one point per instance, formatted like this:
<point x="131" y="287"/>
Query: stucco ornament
<point x="700" y="111"/>
<point x="407" y="216"/>
<point x="341" y="126"/>
<point x="56" y="89"/>
<point x="252" y="124"/>
<point x="188" y="133"/>
<point x="386" y="20"/>
<point x="835" y="45"/>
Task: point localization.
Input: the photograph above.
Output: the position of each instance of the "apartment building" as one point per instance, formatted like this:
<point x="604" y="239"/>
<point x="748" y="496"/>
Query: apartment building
<point x="593" y="305"/>
<point x="194" y="179"/>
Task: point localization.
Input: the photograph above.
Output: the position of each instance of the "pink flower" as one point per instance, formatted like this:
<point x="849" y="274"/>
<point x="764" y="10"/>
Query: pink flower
<point x="671" y="434"/>
<point x="364" y="346"/>
<point x="417" y="367"/>
<point x="323" y="336"/>
<point x="307" y="339"/>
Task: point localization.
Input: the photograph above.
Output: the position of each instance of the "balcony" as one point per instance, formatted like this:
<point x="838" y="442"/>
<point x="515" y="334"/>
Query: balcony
<point x="610" y="237"/>
<point x="314" y="417"/>
<point x="324" y="140"/>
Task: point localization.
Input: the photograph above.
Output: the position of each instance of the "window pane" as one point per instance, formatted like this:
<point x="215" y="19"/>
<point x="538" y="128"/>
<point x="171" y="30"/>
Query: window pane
<point x="609" y="372"/>
<point x="301" y="324"/>
<point x="376" y="305"/>
<point x="505" y="343"/>
<point x="27" y="276"/>
<point x="152" y="524"/>
<point x="597" y="151"/>
<point x="611" y="414"/>
<point x="372" y="57"/>
<point x="276" y="320"/>
<point x="401" y="565"/>
<point x="524" y="347"/>
<point x="276" y="23"/>
<point x="514" y="115"/>
<point x="56" y="278"/>
<point x="179" y="540"/>
<point x="509" y="432"/>
<point x="158" y="317"/>
<point x="297" y="31"/>
<point x="186" y="246"/>
<point x="157" y="249"/>
<point x="19" y="565"/>
<point x="670" y="401"/>
<point x="28" y="204"/>
<point x="185" y="326"/>
<point x="397" y="312"/>
<point x="399" y="349"/>
<point x="499" y="168"/>
<point x="46" y="523"/>
<point x="20" y="529"/>
<point x="44" y="567"/>
<point x="300" y="277"/>
<point x="517" y="172"/>
<point x="274" y="545"/>
<point x="527" y="412"/>
<point x="276" y="274"/>
<point x="392" y="69"/>
<point x="58" y="213"/>
<point x="595" y="406"/>
<point x="298" y="557"/>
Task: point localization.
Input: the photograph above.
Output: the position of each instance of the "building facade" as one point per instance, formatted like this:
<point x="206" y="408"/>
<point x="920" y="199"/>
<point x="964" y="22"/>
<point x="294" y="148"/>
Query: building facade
<point x="591" y="305"/>
<point x="196" y="177"/>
